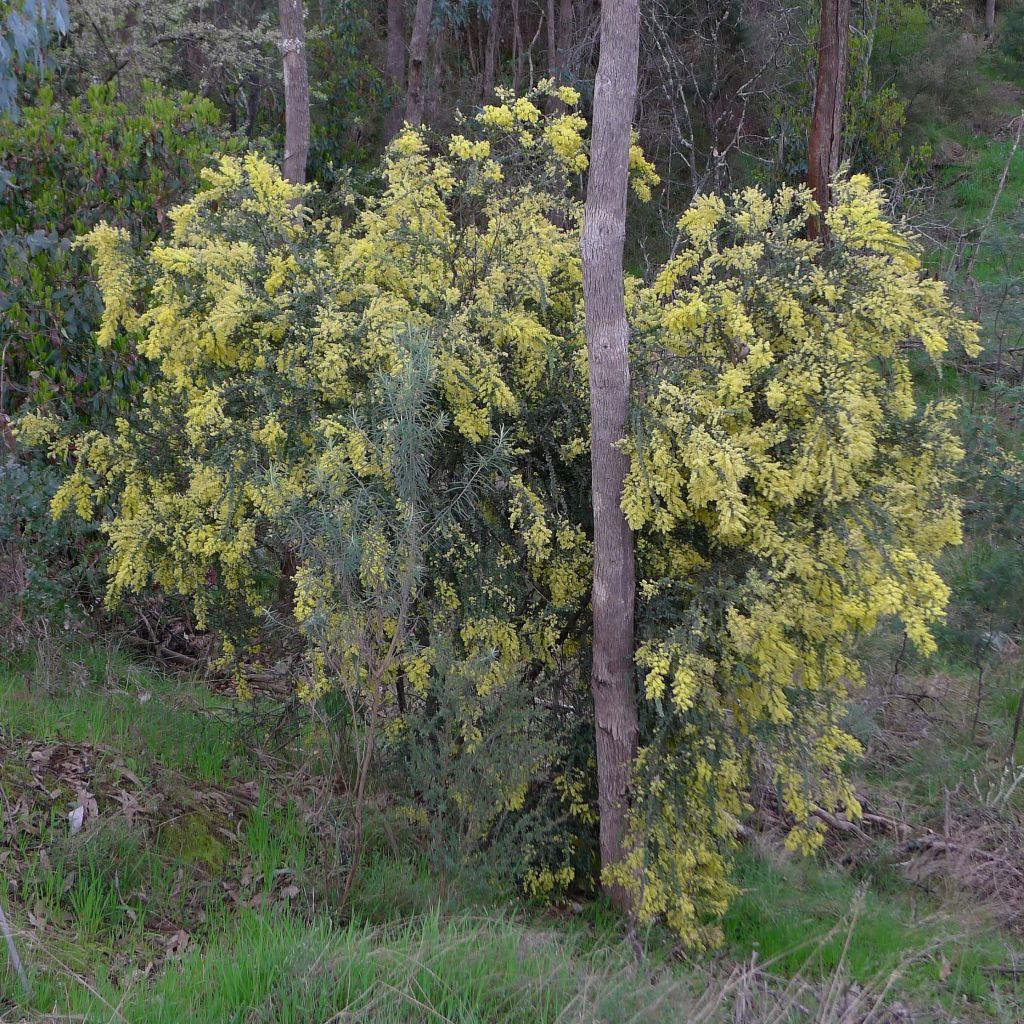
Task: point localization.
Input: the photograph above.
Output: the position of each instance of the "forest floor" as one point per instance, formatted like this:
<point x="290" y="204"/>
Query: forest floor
<point x="199" y="880"/>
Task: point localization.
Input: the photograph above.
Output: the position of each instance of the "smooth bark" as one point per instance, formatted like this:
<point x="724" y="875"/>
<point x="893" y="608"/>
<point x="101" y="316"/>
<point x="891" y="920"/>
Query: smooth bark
<point x="418" y="46"/>
<point x="552" y="38"/>
<point x="825" y="143"/>
<point x="990" y="19"/>
<point x="517" y="49"/>
<point x="602" y="243"/>
<point x="296" y="90"/>
<point x="564" y="44"/>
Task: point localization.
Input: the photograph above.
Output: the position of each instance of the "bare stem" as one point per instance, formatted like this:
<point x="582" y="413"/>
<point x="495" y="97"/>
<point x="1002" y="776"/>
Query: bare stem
<point x="13" y="950"/>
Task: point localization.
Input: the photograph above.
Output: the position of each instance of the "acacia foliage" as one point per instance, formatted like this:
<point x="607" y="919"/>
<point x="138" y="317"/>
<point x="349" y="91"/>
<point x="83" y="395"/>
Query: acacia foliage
<point x="788" y="493"/>
<point x="394" y="403"/>
<point x="66" y="165"/>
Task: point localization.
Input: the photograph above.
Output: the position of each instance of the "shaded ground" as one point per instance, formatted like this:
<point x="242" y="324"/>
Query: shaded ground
<point x="143" y="892"/>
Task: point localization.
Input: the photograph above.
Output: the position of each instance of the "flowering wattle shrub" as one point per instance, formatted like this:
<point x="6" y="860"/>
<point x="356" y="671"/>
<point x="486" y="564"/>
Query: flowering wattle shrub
<point x="788" y="493"/>
<point x="391" y="410"/>
<point x="64" y="168"/>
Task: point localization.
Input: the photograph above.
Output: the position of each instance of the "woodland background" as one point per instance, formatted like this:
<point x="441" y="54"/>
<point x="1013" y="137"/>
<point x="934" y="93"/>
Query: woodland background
<point x="206" y="874"/>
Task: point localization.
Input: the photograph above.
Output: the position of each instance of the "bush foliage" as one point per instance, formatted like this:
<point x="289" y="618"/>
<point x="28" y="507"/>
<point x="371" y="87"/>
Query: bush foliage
<point x="385" y="417"/>
<point x="64" y="167"/>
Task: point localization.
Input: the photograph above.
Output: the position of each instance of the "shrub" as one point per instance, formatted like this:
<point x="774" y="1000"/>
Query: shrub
<point x="63" y="169"/>
<point x="393" y="410"/>
<point x="787" y="494"/>
<point x="1011" y="34"/>
<point x="45" y="570"/>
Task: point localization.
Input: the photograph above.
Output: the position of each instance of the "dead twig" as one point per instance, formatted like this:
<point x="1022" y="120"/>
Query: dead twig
<point x="995" y="199"/>
<point x="13" y="950"/>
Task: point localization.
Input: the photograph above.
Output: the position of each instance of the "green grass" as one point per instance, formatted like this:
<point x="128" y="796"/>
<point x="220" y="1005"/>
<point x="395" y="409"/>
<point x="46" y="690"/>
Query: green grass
<point x="104" y="883"/>
<point x="974" y="187"/>
<point x="269" y="966"/>
<point x="410" y="945"/>
<point x="803" y="917"/>
<point x="95" y="894"/>
<point x="276" y="840"/>
<point x="968" y="192"/>
<point x="92" y="695"/>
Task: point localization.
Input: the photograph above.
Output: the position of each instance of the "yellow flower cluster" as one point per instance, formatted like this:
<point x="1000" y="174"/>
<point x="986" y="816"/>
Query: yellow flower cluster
<point x="34" y="429"/>
<point x="565" y="134"/>
<point x="782" y="449"/>
<point x="461" y="148"/>
<point x="109" y="245"/>
<point x="385" y="416"/>
<point x="642" y="175"/>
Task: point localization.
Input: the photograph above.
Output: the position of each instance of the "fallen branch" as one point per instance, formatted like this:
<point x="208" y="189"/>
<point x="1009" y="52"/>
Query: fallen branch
<point x="1013" y="970"/>
<point x="840" y="824"/>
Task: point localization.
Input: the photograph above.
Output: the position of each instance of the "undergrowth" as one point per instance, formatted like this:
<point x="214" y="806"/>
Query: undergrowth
<point x="193" y="908"/>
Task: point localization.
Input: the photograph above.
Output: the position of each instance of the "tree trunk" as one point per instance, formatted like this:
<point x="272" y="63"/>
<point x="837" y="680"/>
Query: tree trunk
<point x="418" y="46"/>
<point x="474" y="45"/>
<point x="394" y="67"/>
<point x="296" y="90"/>
<point x="990" y="19"/>
<point x="564" y="45"/>
<point x="441" y="72"/>
<point x="252" y="103"/>
<point x="602" y="243"/>
<point x="490" y="72"/>
<point x="825" y="143"/>
<point x="517" y="49"/>
<point x="552" y="34"/>
<point x="559" y="42"/>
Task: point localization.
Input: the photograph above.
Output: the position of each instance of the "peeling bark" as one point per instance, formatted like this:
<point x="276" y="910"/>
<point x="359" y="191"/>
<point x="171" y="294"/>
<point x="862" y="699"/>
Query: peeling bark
<point x="825" y="143"/>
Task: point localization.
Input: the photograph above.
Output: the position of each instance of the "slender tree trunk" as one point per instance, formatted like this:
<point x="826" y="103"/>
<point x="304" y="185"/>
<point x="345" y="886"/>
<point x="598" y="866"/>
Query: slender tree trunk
<point x="517" y="49"/>
<point x="195" y="61"/>
<point x="564" y="45"/>
<point x="552" y="34"/>
<point x="825" y="143"/>
<point x="440" y="71"/>
<point x="252" y="103"/>
<point x="296" y="90"/>
<point x="559" y="42"/>
<point x="990" y="19"/>
<point x="475" y="44"/>
<point x="490" y="72"/>
<point x="602" y="243"/>
<point x="394" y="67"/>
<point x="418" y="47"/>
